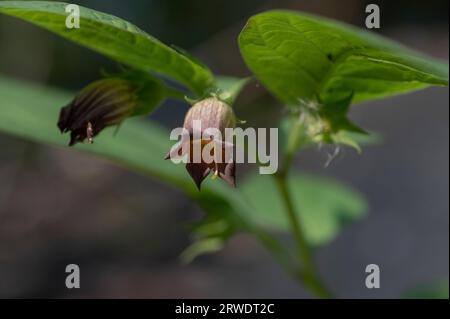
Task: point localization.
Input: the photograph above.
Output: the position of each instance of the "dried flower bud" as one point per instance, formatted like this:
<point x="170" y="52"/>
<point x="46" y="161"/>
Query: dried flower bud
<point x="103" y="103"/>
<point x="211" y="114"/>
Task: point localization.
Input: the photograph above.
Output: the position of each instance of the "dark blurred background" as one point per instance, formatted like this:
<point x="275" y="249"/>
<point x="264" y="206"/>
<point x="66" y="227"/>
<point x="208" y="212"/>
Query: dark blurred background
<point x="126" y="231"/>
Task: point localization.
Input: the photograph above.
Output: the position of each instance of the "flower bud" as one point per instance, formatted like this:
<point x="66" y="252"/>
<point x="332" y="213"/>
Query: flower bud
<point x="101" y="104"/>
<point x="210" y="113"/>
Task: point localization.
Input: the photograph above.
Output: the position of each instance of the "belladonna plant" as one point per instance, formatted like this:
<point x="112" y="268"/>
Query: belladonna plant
<point x="316" y="68"/>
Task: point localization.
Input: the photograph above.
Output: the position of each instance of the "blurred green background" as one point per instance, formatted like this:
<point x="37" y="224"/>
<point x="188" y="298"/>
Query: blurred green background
<point x="126" y="232"/>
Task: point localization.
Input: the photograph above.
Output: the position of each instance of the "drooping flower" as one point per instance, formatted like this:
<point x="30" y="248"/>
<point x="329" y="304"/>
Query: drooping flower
<point x="207" y="152"/>
<point x="104" y="103"/>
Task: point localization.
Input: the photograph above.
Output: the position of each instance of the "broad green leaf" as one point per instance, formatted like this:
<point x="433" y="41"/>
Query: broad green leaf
<point x="304" y="57"/>
<point x="323" y="205"/>
<point x="115" y="38"/>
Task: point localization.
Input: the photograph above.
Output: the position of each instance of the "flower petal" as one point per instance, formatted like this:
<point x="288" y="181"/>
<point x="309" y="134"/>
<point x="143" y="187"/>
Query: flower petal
<point x="198" y="172"/>
<point x="106" y="102"/>
<point x="227" y="172"/>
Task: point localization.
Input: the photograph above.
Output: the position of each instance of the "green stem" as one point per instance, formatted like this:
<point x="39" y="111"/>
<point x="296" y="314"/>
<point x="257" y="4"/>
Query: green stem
<point x="277" y="250"/>
<point x="175" y="94"/>
<point x="308" y="274"/>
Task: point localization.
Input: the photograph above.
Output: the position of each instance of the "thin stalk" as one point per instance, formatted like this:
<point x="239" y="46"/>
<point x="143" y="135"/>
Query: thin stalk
<point x="308" y="274"/>
<point x="175" y="94"/>
<point x="277" y="250"/>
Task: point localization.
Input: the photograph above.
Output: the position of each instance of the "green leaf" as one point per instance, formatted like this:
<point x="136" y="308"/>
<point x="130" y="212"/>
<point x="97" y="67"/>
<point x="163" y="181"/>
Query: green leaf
<point x="209" y="235"/>
<point x="115" y="38"/>
<point x="323" y="205"/>
<point x="304" y="57"/>
<point x="372" y="138"/>
<point x="336" y="116"/>
<point x="201" y="247"/>
<point x="343" y="138"/>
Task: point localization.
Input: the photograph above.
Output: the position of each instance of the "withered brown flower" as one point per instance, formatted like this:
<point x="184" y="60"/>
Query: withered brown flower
<point x="211" y="113"/>
<point x="104" y="103"/>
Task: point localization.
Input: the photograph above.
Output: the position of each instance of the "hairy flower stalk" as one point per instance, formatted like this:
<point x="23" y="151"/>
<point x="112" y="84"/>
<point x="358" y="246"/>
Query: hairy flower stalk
<point x="103" y="103"/>
<point x="204" y="151"/>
